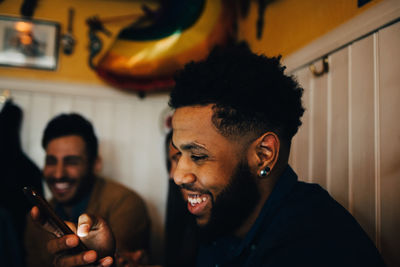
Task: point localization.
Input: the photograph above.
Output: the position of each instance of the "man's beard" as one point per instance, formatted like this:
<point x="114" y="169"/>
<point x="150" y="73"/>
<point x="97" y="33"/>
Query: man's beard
<point x="84" y="187"/>
<point x="233" y="205"/>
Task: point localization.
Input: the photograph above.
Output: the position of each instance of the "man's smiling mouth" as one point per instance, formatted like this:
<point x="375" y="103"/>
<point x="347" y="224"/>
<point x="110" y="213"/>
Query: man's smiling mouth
<point x="62" y="186"/>
<point x="196" y="199"/>
<point x="198" y="203"/>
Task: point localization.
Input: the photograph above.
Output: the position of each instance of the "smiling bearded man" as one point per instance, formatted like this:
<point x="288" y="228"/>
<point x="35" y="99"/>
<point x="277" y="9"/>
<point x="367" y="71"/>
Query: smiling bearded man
<point x="72" y="184"/>
<point x="71" y="171"/>
<point x="235" y="116"/>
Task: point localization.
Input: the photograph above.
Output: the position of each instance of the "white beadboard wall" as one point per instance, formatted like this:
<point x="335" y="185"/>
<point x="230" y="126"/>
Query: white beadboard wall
<point x="349" y="142"/>
<point x="129" y="130"/>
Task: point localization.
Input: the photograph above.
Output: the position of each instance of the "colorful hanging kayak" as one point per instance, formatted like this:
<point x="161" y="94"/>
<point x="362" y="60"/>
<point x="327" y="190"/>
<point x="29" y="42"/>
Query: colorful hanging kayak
<point x="145" y="59"/>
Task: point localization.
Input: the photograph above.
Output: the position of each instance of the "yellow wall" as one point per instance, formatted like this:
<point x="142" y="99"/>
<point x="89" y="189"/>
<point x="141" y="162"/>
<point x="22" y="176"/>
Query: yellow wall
<point x="289" y="25"/>
<point x="73" y="68"/>
<point x="292" y="24"/>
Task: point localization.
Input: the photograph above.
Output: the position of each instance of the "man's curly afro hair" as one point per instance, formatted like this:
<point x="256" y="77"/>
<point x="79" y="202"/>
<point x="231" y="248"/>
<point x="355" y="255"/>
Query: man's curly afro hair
<point x="250" y="93"/>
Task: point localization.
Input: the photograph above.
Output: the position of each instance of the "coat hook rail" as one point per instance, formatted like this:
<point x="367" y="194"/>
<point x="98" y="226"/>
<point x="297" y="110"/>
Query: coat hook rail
<point x="325" y="68"/>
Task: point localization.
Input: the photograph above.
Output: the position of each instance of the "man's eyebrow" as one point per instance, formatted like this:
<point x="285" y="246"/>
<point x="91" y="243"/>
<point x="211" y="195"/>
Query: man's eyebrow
<point x="73" y="157"/>
<point x="193" y="147"/>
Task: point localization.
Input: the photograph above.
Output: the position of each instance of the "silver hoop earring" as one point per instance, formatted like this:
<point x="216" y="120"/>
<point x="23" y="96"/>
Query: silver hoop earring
<point x="265" y="172"/>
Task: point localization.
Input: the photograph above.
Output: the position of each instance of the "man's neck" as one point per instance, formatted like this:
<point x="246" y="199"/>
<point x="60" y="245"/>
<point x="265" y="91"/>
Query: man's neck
<point x="265" y="186"/>
<point x="75" y="208"/>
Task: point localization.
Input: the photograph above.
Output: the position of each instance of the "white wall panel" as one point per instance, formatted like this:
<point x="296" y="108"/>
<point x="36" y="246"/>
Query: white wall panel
<point x="338" y="124"/>
<point x="355" y="110"/>
<point x="362" y="134"/>
<point x="122" y="129"/>
<point x="103" y="118"/>
<point x="389" y="112"/>
<point x="40" y="114"/>
<point x="83" y="105"/>
<point x="319" y="122"/>
<point x="143" y="152"/>
<point x="300" y="151"/>
<point x="61" y="104"/>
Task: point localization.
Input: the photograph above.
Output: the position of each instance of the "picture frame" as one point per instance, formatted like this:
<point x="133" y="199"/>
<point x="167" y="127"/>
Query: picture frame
<point x="29" y="43"/>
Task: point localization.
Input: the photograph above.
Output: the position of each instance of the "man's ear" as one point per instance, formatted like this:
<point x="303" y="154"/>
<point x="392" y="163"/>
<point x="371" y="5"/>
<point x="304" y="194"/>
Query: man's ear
<point x="264" y="152"/>
<point x="97" y="165"/>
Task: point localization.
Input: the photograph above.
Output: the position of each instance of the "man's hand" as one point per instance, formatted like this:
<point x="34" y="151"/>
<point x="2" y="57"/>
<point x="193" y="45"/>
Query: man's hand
<point x="136" y="258"/>
<point x="93" y="232"/>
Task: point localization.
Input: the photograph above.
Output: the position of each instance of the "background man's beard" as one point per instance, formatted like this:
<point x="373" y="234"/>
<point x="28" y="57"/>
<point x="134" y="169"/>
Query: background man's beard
<point x="233" y="205"/>
<point x="84" y="188"/>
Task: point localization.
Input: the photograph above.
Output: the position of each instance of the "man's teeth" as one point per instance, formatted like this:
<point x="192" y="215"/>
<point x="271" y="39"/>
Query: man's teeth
<point x="61" y="186"/>
<point x="193" y="200"/>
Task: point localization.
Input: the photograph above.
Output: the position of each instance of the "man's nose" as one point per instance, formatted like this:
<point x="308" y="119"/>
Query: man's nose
<point x="183" y="174"/>
<point x="59" y="170"/>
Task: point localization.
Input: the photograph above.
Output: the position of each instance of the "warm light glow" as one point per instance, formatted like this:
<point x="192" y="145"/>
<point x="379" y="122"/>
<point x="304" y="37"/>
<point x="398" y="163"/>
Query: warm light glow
<point x="22" y="26"/>
<point x="25" y="39"/>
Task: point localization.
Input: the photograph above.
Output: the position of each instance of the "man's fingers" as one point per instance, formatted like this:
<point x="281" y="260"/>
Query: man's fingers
<point x="40" y="220"/>
<point x="71" y="225"/>
<point x="35" y="214"/>
<point x="83" y="258"/>
<point x="106" y="262"/>
<point x="131" y="256"/>
<point x="66" y="242"/>
<point x="85" y="223"/>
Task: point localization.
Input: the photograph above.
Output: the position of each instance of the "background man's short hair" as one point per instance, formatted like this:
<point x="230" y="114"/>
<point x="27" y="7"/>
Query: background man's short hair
<point x="250" y="93"/>
<point x="72" y="124"/>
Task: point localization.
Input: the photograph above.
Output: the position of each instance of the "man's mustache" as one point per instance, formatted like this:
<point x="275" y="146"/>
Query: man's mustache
<point x="191" y="187"/>
<point x="52" y="180"/>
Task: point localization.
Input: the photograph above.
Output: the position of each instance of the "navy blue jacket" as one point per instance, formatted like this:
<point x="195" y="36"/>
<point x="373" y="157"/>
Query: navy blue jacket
<point x="299" y="225"/>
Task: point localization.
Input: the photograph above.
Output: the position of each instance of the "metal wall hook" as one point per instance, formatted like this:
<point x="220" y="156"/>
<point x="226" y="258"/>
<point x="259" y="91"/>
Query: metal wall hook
<point x="325" y="68"/>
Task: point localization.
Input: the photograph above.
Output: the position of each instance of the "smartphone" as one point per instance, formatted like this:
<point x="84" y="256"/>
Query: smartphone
<point x="48" y="214"/>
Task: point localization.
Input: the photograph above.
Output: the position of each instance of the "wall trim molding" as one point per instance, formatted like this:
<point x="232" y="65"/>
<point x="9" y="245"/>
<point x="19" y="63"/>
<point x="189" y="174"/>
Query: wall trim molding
<point x="66" y="88"/>
<point x="374" y="18"/>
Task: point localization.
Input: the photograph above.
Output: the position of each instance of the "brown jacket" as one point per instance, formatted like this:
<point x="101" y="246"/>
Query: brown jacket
<point x="123" y="209"/>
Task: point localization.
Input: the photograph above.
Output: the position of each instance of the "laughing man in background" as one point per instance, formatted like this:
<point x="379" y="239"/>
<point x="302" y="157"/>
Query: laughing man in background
<point x="70" y="168"/>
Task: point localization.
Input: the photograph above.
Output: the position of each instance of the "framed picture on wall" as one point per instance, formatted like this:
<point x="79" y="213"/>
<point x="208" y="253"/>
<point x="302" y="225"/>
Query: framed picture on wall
<point x="28" y="43"/>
